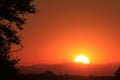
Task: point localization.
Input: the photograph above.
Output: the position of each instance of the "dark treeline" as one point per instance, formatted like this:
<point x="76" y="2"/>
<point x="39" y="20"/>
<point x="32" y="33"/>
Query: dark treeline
<point x="48" y="75"/>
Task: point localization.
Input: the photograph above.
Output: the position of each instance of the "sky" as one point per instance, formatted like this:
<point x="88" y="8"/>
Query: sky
<point x="64" y="29"/>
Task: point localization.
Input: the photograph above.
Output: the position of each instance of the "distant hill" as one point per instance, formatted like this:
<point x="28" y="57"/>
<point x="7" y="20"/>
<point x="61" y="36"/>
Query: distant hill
<point x="73" y="69"/>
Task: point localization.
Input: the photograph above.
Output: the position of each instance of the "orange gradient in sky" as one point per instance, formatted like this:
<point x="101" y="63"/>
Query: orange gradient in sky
<point x="64" y="29"/>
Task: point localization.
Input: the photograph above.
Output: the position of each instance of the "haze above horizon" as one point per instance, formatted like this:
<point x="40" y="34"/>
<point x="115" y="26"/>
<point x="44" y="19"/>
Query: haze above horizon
<point x="64" y="29"/>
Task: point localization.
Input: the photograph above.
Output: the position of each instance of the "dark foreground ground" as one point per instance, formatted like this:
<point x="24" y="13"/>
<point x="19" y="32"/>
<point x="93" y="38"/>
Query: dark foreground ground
<point x="51" y="76"/>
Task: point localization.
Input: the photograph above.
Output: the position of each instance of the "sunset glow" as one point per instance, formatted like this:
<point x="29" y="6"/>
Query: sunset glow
<point x="82" y="59"/>
<point x="64" y="29"/>
<point x="60" y="39"/>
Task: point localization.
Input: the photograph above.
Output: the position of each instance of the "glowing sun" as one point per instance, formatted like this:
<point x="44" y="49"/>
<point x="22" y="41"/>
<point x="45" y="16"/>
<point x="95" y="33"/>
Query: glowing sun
<point x="82" y="59"/>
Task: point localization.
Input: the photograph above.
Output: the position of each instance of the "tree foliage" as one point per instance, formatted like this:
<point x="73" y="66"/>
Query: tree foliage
<point x="12" y="18"/>
<point x="117" y="74"/>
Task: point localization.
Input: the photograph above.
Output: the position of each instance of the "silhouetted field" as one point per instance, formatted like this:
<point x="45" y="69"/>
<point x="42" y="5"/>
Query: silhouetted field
<point x="51" y="76"/>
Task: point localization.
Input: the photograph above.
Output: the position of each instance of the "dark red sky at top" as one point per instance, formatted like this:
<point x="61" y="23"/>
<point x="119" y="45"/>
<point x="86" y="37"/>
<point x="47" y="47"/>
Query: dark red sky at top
<point x="64" y="29"/>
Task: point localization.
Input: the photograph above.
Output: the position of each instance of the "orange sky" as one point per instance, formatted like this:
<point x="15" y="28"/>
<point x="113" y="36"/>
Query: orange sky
<point x="64" y="29"/>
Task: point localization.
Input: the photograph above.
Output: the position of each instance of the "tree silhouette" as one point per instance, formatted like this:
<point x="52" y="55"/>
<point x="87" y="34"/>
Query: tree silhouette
<point x="117" y="74"/>
<point x="12" y="19"/>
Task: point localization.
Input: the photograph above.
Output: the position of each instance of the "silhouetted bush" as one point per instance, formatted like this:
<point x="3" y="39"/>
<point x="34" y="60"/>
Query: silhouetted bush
<point x="117" y="74"/>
